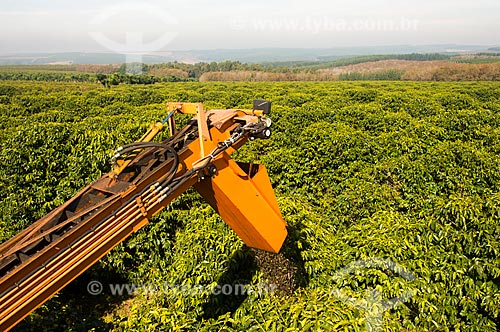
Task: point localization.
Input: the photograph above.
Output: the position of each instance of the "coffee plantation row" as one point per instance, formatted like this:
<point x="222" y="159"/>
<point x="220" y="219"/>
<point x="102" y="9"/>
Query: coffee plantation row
<point x="391" y="191"/>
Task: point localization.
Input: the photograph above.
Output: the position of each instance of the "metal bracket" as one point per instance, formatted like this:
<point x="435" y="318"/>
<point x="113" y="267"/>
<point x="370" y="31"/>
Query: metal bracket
<point x="141" y="206"/>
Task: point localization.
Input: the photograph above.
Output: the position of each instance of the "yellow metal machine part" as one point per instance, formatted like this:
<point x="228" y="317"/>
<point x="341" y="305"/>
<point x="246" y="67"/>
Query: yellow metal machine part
<point x="106" y="212"/>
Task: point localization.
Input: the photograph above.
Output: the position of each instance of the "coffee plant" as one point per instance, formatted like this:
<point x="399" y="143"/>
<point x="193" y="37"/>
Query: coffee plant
<point x="397" y="172"/>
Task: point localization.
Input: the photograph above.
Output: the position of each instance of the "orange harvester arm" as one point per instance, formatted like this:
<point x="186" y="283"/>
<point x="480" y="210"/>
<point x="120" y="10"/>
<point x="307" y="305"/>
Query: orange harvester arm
<point x="147" y="176"/>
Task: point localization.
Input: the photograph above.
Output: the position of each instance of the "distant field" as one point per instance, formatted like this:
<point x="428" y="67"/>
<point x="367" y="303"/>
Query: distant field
<point x="408" y="67"/>
<point x="405" y="172"/>
<point x="382" y="65"/>
<point x="427" y="70"/>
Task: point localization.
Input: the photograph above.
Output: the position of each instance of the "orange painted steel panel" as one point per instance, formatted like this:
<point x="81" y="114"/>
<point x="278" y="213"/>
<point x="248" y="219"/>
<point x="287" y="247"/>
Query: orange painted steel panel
<point x="247" y="204"/>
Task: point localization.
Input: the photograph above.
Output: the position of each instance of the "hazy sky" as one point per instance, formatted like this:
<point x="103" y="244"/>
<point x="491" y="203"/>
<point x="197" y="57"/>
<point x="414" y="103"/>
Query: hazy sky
<point x="140" y="26"/>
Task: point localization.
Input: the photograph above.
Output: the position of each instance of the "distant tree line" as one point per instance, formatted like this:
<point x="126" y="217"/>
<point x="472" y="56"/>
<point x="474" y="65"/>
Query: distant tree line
<point x="371" y="58"/>
<point x="47" y="76"/>
<point x="140" y="73"/>
<point x="198" y="69"/>
<point x="488" y="54"/>
<point x="118" y="78"/>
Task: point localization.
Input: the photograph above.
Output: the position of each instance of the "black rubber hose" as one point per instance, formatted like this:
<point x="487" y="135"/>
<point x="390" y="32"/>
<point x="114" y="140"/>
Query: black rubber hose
<point x="142" y="143"/>
<point x="140" y="147"/>
<point x="173" y="169"/>
<point x="137" y="146"/>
